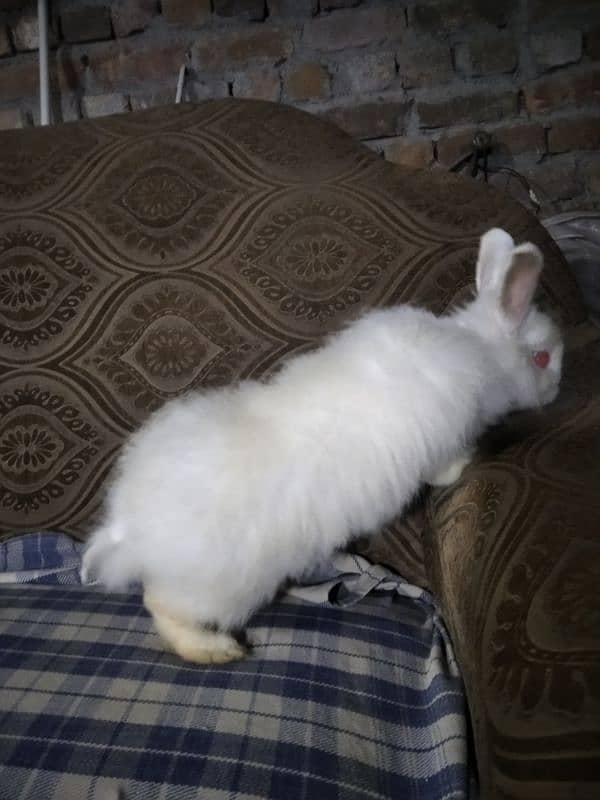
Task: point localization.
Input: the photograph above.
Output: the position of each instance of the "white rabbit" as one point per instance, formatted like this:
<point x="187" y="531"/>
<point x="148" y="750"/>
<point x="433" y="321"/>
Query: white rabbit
<point x="224" y="494"/>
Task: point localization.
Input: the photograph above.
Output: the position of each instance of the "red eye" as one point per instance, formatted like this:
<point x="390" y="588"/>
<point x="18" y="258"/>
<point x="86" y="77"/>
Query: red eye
<point x="541" y="358"/>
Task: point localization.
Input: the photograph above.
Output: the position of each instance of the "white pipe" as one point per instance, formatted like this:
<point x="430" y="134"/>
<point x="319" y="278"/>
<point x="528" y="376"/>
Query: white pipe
<point x="180" y="82"/>
<point x="43" y="56"/>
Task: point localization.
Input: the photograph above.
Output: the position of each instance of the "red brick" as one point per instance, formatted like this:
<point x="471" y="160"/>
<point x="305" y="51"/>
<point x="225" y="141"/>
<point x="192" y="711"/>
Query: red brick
<point x="309" y="81"/>
<point x="70" y="107"/>
<point x="555" y="179"/>
<point x="478" y="107"/>
<point x="13" y="118"/>
<point x="410" y="152"/>
<point x="591" y="172"/>
<point x="592" y="43"/>
<point x="429" y="65"/>
<point x="520" y="138"/>
<point x="369" y="72"/>
<point x="293" y="8"/>
<point x="5" y="45"/>
<point x="346" y="29"/>
<point x="100" y="105"/>
<point x="486" y="56"/>
<point x="160" y="97"/>
<point x="557" y="91"/>
<point x="196" y="90"/>
<point x="332" y="5"/>
<point x="456" y="15"/>
<point x="261" y="84"/>
<point x="556" y="48"/>
<point x="125" y="63"/>
<point x="553" y="10"/>
<point x="253" y="10"/>
<point x="370" y="120"/>
<point x="454" y="145"/>
<point x="235" y="48"/>
<point x="19" y="78"/>
<point x="13" y="5"/>
<point x="186" y="12"/>
<point x="25" y="33"/>
<point x="85" y="23"/>
<point x="581" y="133"/>
<point x="68" y="69"/>
<point x="131" y="16"/>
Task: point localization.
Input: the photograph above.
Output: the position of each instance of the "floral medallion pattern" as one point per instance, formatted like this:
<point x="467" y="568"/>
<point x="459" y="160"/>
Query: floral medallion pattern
<point x="25" y="286"/>
<point x="49" y="452"/>
<point x="159" y="197"/>
<point x="532" y="663"/>
<point x="168" y="337"/>
<point x="45" y="289"/>
<point x="161" y="211"/>
<point x="169" y="352"/>
<point x="318" y="260"/>
<point x="29" y="448"/>
<point x="572" y="599"/>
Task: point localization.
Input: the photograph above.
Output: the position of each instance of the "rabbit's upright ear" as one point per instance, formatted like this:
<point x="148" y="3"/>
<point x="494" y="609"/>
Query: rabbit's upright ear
<point x="520" y="283"/>
<point x="495" y="250"/>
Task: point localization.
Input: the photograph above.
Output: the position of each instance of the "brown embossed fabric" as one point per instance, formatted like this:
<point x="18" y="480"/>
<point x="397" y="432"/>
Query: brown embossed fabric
<point x="148" y="254"/>
<point x="514" y="555"/>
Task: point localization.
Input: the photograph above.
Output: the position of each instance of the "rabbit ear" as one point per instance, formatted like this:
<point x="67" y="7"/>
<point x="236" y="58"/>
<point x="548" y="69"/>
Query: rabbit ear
<point x="495" y="250"/>
<point x="520" y="283"/>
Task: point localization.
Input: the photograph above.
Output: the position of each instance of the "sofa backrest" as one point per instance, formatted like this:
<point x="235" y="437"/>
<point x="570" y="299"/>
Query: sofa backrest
<point x="148" y="254"/>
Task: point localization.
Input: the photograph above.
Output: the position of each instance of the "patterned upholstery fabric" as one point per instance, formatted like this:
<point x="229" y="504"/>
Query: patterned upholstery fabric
<point x="150" y="253"/>
<point x="514" y="550"/>
<point x="146" y="254"/>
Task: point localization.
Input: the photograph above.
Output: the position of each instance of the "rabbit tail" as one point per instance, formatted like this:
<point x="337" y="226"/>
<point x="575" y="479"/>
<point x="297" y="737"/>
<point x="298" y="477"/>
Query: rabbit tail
<point x="105" y="559"/>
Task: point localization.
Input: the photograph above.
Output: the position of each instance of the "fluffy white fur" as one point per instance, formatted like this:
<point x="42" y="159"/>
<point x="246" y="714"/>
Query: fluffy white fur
<point x="222" y="495"/>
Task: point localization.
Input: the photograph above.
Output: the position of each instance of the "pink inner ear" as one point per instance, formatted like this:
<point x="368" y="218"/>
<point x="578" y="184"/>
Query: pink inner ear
<point x="542" y="358"/>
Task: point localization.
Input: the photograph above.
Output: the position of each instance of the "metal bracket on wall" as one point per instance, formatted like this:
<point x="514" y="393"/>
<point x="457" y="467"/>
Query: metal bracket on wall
<point x="482" y="147"/>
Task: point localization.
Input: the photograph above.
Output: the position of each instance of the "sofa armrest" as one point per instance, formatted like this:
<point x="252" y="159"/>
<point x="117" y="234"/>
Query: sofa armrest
<point x="514" y="556"/>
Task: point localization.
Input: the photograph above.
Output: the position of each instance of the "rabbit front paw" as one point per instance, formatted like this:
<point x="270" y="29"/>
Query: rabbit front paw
<point x="452" y="471"/>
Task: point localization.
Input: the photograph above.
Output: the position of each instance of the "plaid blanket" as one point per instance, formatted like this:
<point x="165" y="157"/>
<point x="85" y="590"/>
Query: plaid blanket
<point x="43" y="557"/>
<point x="354" y="701"/>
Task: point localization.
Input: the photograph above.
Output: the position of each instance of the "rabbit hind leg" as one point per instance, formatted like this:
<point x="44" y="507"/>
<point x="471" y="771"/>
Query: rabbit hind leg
<point x="190" y="640"/>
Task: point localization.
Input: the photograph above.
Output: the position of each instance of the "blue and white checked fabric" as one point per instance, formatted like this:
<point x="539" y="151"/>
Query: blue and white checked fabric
<point x="349" y="702"/>
<point x="43" y="557"/>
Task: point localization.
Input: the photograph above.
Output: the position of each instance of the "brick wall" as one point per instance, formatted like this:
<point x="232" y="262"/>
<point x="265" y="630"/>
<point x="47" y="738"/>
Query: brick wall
<point x="411" y="78"/>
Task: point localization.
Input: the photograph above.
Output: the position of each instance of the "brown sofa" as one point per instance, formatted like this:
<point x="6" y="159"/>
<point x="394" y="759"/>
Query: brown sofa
<point x="146" y="254"/>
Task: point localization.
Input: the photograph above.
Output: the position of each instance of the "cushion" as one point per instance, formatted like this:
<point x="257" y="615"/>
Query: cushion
<point x="514" y="551"/>
<point x="356" y="703"/>
<point x="147" y="254"/>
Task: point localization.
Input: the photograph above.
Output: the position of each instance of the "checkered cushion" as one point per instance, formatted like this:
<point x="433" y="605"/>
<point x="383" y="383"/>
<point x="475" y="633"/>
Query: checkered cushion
<point x="43" y="557"/>
<point x="354" y="702"/>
